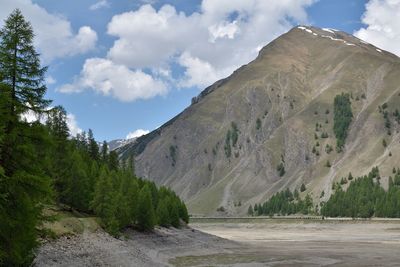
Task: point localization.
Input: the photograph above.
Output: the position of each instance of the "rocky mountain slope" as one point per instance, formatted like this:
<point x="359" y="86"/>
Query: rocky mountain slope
<point x="117" y="143"/>
<point x="224" y="150"/>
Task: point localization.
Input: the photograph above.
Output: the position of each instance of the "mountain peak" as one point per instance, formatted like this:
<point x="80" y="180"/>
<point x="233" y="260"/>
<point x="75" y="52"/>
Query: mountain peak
<point x="276" y="113"/>
<point x="339" y="38"/>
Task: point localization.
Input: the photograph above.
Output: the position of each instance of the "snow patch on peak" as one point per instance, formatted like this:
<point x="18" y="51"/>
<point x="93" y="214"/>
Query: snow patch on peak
<point x="306" y="29"/>
<point x="326" y="36"/>
<point x="328" y="30"/>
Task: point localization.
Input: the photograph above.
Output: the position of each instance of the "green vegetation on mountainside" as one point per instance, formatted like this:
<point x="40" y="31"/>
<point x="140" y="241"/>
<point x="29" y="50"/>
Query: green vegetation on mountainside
<point x="283" y="203"/>
<point x="342" y="119"/>
<point x="365" y="198"/>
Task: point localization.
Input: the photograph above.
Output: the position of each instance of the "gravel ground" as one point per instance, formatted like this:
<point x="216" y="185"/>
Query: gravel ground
<point x="132" y="249"/>
<point x="234" y="244"/>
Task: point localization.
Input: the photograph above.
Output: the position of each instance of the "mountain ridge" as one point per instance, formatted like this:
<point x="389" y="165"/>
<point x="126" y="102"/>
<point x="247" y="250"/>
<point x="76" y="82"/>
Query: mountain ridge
<point x="295" y="76"/>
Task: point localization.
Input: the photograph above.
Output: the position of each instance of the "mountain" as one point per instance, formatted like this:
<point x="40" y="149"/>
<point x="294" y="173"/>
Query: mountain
<point x="117" y="143"/>
<point x="254" y="133"/>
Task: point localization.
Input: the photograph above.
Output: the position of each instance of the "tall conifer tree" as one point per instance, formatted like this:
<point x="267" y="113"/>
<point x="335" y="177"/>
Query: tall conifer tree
<point x="24" y="145"/>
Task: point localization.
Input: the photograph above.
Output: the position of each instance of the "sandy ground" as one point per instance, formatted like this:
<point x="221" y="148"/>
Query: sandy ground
<point x="294" y="243"/>
<point x="266" y="243"/>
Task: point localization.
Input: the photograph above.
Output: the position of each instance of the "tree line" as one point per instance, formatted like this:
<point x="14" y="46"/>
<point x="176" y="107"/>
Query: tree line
<point x="365" y="198"/>
<point x="283" y="203"/>
<point x="41" y="164"/>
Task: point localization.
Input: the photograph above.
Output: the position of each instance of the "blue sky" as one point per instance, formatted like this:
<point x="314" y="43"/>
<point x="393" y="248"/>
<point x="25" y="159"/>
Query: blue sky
<point x="122" y="65"/>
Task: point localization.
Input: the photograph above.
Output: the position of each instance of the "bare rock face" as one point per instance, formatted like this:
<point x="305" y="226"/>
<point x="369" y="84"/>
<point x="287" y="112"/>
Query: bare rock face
<point x="224" y="149"/>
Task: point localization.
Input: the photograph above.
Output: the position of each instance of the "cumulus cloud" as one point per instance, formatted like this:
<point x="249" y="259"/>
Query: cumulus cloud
<point x="54" y="35"/>
<point x="108" y="78"/>
<point x="200" y="73"/>
<point x="208" y="45"/>
<point x="382" y="22"/>
<point x="99" y="4"/>
<point x="147" y="38"/>
<point x="137" y="133"/>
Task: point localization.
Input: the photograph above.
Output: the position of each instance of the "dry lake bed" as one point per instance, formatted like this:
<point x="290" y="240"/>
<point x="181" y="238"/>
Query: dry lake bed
<point x="231" y="242"/>
<point x="300" y="243"/>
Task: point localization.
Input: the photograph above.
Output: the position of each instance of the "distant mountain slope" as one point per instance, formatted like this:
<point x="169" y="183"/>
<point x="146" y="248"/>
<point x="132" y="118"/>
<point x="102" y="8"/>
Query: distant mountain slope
<point x="227" y="146"/>
<point x="117" y="143"/>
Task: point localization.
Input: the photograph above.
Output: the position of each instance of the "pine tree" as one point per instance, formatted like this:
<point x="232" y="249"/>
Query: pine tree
<point x="101" y="196"/>
<point x="60" y="153"/>
<point x="328" y="164"/>
<point x="145" y="216"/>
<point x="131" y="164"/>
<point x="93" y="146"/>
<point x="113" y="163"/>
<point x="132" y="195"/>
<point x="163" y="218"/>
<point x="24" y="154"/>
<point x="20" y="67"/>
<point x="57" y="123"/>
<point x="81" y="142"/>
<point x="303" y="188"/>
<point x="173" y="211"/>
<point x="183" y="212"/>
<point x="105" y="202"/>
<point x="93" y="174"/>
<point x="104" y="152"/>
<point x="350" y="177"/>
<point x="127" y="200"/>
<point x="154" y="193"/>
<point x="77" y="188"/>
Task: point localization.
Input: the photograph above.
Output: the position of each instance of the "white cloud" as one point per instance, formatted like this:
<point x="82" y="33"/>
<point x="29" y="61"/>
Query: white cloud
<point x="73" y="125"/>
<point x="223" y="29"/>
<point x="222" y="36"/>
<point x="208" y="45"/>
<point x="199" y="72"/>
<point x="137" y="133"/>
<point x="108" y="78"/>
<point x="54" y="35"/>
<point x="99" y="4"/>
<point x="147" y="38"/>
<point x="382" y="18"/>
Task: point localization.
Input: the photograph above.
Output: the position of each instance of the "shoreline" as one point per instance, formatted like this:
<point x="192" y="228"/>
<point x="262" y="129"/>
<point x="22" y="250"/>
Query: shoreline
<point x="266" y="242"/>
